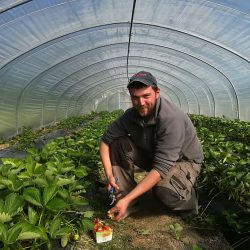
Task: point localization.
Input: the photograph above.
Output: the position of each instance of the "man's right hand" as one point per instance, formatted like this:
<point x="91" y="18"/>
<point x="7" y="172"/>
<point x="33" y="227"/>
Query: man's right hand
<point x="112" y="182"/>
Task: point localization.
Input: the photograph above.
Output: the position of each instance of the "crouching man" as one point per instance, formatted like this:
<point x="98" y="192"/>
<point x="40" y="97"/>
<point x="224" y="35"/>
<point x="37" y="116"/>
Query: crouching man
<point x="159" y="137"/>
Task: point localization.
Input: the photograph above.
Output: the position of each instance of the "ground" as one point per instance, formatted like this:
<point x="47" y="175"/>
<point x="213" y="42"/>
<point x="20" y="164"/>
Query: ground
<point x="149" y="229"/>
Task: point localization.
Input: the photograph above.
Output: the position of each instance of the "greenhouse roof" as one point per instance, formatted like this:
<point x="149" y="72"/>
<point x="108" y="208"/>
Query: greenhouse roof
<point x="60" y="58"/>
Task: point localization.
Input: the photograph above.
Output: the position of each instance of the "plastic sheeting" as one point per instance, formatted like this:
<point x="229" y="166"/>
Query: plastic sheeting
<point x="60" y="58"/>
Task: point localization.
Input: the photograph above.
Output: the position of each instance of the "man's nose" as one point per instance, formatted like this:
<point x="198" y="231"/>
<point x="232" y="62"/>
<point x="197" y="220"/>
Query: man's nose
<point x="141" y="101"/>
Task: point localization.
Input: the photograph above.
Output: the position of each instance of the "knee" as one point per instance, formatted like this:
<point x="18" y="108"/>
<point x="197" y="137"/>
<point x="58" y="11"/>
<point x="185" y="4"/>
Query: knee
<point x="121" y="150"/>
<point x="168" y="197"/>
<point x="121" y="145"/>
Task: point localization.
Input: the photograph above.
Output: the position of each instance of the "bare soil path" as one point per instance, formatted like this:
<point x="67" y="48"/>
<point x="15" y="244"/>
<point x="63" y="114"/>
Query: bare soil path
<point x="148" y="229"/>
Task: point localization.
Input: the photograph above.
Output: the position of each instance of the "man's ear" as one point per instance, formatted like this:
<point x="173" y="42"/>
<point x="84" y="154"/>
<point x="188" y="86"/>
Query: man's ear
<point x="157" y="92"/>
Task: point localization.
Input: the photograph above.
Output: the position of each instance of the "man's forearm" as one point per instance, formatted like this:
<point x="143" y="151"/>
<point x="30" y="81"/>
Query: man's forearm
<point x="104" y="154"/>
<point x="145" y="185"/>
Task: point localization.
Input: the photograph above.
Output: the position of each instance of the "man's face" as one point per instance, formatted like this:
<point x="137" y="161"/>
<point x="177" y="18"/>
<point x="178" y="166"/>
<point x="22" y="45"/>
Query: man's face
<point x="144" y="99"/>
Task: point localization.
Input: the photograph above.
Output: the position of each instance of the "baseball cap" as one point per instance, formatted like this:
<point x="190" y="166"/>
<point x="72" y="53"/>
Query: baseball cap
<point x="144" y="77"/>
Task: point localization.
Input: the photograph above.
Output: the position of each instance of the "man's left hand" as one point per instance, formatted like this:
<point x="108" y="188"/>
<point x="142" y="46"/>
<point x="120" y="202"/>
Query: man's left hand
<point x="120" y="209"/>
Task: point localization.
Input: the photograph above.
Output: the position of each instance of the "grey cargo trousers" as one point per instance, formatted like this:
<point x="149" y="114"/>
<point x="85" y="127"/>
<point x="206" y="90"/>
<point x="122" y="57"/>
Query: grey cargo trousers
<point x="175" y="190"/>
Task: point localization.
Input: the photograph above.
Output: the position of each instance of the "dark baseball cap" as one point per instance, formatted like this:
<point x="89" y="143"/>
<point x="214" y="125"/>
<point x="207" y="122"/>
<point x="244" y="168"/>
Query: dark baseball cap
<point x="144" y="77"/>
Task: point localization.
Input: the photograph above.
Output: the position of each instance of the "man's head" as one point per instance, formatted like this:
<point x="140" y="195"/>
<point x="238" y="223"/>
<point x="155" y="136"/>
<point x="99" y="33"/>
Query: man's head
<point x="143" y="77"/>
<point x="144" y="92"/>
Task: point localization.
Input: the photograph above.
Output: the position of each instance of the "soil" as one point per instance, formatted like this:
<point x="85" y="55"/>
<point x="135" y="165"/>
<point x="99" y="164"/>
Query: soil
<point x="149" y="229"/>
<point x="4" y="145"/>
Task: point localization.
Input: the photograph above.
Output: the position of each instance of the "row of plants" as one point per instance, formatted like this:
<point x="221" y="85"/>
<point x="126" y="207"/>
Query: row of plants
<point x="226" y="169"/>
<point x="235" y="130"/>
<point x="28" y="136"/>
<point x="44" y="196"/>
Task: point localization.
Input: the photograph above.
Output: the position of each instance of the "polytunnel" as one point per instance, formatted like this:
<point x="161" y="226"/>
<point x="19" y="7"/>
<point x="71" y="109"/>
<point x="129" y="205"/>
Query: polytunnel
<point x="60" y="58"/>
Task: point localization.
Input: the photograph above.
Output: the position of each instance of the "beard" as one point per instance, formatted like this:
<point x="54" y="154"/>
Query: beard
<point x="145" y="110"/>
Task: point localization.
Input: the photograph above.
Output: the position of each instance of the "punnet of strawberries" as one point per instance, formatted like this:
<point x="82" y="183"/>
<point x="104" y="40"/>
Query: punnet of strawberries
<point x="100" y="226"/>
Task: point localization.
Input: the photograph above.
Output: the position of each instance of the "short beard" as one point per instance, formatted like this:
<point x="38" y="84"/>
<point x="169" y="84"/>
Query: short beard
<point x="150" y="110"/>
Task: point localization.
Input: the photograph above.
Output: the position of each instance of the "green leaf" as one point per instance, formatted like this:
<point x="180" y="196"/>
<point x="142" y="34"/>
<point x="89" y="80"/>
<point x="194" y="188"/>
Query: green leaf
<point x="1" y="205"/>
<point x="33" y="196"/>
<point x="54" y="226"/>
<point x="66" y="169"/>
<point x="33" y="216"/>
<point x="33" y="233"/>
<point x="79" y="201"/>
<point x="64" y="193"/>
<point x="3" y="232"/>
<point x="51" y="165"/>
<point x="87" y="224"/>
<point x="20" y="168"/>
<point x="40" y="182"/>
<point x="145" y="232"/>
<point x="12" y="162"/>
<point x="5" y="169"/>
<point x="49" y="192"/>
<point x="39" y="169"/>
<point x="196" y="247"/>
<point x="81" y="172"/>
<point x="64" y="240"/>
<point x="77" y="186"/>
<point x="5" y="217"/>
<point x="16" y="183"/>
<point x="57" y="204"/>
<point x="6" y="182"/>
<point x="13" y="204"/>
<point x="64" y="230"/>
<point x="30" y="231"/>
<point x="178" y="227"/>
<point x="50" y="175"/>
<point x="88" y="214"/>
<point x="214" y="153"/>
<point x="30" y="168"/>
<point x="65" y="181"/>
<point x="24" y="176"/>
<point x="13" y="234"/>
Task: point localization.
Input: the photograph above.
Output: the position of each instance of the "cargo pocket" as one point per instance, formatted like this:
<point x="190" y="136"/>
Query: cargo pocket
<point x="181" y="183"/>
<point x="191" y="170"/>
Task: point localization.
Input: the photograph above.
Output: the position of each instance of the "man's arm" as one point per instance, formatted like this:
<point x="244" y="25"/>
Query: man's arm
<point x="142" y="187"/>
<point x="105" y="158"/>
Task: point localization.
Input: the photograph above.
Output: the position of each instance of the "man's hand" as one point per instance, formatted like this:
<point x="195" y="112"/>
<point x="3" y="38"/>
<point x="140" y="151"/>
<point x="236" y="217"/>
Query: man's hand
<point x="113" y="191"/>
<point x="120" y="209"/>
<point x="112" y="182"/>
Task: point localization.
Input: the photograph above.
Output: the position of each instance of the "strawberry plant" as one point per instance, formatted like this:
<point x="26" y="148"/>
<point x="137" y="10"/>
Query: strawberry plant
<point x="42" y="196"/>
<point x="49" y="187"/>
<point x="226" y="168"/>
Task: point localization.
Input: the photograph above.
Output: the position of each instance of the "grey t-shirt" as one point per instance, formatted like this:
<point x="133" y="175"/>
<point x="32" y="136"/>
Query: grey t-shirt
<point x="168" y="135"/>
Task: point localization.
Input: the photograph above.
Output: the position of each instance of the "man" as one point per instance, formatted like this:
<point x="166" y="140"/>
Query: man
<point x="157" y="136"/>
